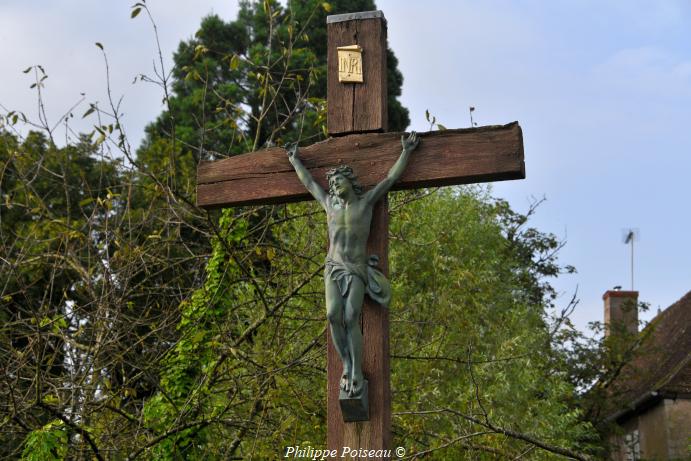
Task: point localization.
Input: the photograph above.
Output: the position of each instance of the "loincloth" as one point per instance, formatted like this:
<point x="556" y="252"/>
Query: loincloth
<point x="377" y="286"/>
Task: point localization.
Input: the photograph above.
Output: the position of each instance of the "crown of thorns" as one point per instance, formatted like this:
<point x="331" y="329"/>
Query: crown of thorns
<point x="346" y="172"/>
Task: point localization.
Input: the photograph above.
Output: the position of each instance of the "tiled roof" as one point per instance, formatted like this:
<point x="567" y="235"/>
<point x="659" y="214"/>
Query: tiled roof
<point x="661" y="364"/>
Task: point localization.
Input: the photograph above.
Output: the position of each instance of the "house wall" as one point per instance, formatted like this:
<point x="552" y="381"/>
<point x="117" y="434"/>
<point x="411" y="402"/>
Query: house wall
<point x="678" y="415"/>
<point x="663" y="433"/>
<point x="652" y="426"/>
<point x="614" y="442"/>
<point x="617" y="442"/>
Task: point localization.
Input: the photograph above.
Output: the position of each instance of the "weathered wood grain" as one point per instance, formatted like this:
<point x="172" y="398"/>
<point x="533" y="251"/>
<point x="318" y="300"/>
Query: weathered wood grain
<point x="357" y="107"/>
<point x="448" y="157"/>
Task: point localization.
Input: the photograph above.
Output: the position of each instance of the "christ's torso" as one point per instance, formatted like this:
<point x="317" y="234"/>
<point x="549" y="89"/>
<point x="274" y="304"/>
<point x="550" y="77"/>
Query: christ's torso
<point x="349" y="227"/>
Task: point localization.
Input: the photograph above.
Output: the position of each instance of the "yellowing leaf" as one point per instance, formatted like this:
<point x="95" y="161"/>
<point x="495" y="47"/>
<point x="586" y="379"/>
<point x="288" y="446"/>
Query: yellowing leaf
<point x="234" y="62"/>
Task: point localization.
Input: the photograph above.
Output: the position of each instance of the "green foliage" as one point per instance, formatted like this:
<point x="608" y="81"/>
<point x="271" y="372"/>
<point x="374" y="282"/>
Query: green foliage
<point x="48" y="443"/>
<point x="594" y="362"/>
<point x="239" y="335"/>
<point x="469" y="334"/>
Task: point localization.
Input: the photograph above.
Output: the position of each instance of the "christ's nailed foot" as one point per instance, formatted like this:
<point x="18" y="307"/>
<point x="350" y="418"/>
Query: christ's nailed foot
<point x="355" y="387"/>
<point x="344" y="382"/>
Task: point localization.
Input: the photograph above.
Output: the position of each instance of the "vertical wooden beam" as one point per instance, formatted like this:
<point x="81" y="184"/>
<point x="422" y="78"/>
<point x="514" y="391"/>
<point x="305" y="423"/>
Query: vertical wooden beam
<point x="374" y="434"/>
<point x="357" y="107"/>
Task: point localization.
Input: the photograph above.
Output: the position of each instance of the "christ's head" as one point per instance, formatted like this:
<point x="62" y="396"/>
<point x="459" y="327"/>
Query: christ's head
<point x="340" y="179"/>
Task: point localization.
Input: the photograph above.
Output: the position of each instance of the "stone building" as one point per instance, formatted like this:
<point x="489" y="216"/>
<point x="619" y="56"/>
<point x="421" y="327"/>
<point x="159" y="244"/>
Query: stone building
<point x="649" y="400"/>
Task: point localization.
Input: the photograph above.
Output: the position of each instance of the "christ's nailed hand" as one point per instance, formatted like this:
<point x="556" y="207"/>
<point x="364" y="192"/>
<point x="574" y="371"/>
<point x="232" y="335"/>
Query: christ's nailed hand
<point x="291" y="150"/>
<point x="410" y="143"/>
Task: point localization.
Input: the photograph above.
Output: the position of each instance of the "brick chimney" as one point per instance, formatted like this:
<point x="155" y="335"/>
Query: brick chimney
<point x="621" y="311"/>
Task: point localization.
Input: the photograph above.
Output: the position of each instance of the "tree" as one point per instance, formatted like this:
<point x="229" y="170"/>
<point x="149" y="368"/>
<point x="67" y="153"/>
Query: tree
<point x="472" y="347"/>
<point x="260" y="79"/>
<point x="55" y="242"/>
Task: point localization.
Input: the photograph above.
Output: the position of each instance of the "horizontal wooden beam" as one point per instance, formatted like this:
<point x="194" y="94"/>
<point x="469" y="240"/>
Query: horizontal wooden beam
<point x="492" y="153"/>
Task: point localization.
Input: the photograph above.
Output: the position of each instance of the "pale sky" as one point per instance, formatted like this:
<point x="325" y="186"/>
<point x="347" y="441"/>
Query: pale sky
<point x="601" y="88"/>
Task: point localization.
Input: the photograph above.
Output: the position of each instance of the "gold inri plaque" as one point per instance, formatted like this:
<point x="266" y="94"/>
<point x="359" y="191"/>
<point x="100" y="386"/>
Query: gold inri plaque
<point x="350" y="63"/>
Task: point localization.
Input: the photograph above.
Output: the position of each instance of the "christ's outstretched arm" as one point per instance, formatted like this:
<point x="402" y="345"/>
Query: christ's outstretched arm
<point x="305" y="177"/>
<point x="409" y="144"/>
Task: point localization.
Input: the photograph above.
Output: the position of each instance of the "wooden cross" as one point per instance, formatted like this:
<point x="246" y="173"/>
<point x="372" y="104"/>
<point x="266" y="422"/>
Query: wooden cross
<point x="357" y="121"/>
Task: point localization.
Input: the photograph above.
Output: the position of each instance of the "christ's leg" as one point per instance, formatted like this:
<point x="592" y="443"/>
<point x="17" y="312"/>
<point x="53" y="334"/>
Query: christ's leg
<point x="353" y="309"/>
<point x="334" y="314"/>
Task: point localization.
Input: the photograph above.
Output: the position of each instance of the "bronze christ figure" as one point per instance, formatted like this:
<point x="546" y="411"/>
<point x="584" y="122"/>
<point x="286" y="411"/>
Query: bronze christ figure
<point x="350" y="273"/>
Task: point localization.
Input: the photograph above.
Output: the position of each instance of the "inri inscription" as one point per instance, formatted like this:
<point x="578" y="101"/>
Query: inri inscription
<point x="350" y="64"/>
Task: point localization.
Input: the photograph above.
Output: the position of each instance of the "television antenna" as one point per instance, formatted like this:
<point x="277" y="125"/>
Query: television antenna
<point x="628" y="237"/>
<point x="473" y="123"/>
